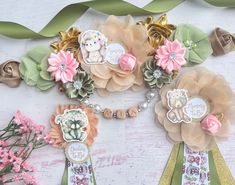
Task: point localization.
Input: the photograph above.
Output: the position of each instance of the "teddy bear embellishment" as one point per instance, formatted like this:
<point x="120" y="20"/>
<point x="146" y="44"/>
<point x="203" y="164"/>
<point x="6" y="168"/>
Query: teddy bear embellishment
<point x="93" y="47"/>
<point x="177" y="100"/>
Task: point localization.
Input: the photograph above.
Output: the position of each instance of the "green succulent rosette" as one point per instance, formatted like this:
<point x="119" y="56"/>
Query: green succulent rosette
<point x="154" y="76"/>
<point x="33" y="68"/>
<point x="81" y="87"/>
<point x="196" y="42"/>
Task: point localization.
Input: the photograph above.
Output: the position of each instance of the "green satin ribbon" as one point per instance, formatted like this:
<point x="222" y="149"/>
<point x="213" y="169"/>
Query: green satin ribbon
<point x="68" y="15"/>
<point x="221" y="3"/>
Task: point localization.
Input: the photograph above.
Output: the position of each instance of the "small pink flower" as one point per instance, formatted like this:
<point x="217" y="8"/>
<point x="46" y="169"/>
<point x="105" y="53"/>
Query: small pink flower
<point x="62" y="66"/>
<point x="47" y="139"/>
<point x="17" y="178"/>
<point x="38" y="129"/>
<point x="20" y="119"/>
<point x="16" y="167"/>
<point x="28" y="167"/>
<point x="29" y="179"/>
<point x="170" y="56"/>
<point x="211" y="124"/>
<point x="127" y="62"/>
<point x="3" y="144"/>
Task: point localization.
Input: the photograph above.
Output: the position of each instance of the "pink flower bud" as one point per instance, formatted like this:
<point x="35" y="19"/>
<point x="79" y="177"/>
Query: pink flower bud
<point x="211" y="124"/>
<point x="127" y="62"/>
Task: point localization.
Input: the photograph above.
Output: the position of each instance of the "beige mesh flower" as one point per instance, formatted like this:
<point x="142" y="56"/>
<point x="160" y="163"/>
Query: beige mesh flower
<point x="211" y="87"/>
<point x="110" y="78"/>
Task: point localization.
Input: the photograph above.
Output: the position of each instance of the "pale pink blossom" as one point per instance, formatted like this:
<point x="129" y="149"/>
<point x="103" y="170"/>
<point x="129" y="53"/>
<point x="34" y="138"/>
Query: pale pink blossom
<point x="17" y="178"/>
<point x="62" y="66"/>
<point x="20" y="119"/>
<point x="26" y="166"/>
<point x="170" y="56"/>
<point x="47" y="139"/>
<point x="29" y="179"/>
<point x="211" y="124"/>
<point x="127" y="62"/>
<point x="3" y="144"/>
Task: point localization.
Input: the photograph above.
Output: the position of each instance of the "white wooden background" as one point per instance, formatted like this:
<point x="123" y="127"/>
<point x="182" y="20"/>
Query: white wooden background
<point x="129" y="152"/>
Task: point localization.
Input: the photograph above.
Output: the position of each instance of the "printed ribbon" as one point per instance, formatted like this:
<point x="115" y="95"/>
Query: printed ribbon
<point x="9" y="73"/>
<point x="187" y="167"/>
<point x="68" y="15"/>
<point x="78" y="173"/>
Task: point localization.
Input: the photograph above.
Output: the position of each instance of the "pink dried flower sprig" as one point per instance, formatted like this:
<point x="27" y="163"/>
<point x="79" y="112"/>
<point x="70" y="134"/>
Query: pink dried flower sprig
<point x="17" y="141"/>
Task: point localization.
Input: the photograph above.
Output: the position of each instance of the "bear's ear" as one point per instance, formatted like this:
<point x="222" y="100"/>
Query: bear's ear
<point x="184" y="92"/>
<point x="169" y="94"/>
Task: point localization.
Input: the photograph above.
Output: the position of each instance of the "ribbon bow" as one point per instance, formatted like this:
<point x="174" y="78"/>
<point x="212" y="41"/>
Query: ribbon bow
<point x="9" y="73"/>
<point x="222" y="42"/>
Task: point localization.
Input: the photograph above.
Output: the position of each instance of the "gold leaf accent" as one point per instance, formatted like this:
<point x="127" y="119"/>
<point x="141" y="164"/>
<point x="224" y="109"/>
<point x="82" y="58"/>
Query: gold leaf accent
<point x="157" y="30"/>
<point x="68" y="42"/>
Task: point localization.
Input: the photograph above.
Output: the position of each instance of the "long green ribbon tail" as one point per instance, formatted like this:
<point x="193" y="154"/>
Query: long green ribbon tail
<point x="221" y="3"/>
<point x="68" y="15"/>
<point x="219" y="173"/>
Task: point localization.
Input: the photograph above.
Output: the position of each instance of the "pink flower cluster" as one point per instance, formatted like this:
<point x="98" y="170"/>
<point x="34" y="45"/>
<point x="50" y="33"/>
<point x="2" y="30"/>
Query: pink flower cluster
<point x="17" y="141"/>
<point x="15" y="161"/>
<point x="26" y="125"/>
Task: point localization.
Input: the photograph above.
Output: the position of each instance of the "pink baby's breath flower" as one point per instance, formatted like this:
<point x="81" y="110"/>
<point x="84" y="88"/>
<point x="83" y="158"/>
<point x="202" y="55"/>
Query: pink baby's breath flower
<point x="17" y="178"/>
<point x="26" y="166"/>
<point x="3" y="143"/>
<point x="38" y="129"/>
<point x="29" y="179"/>
<point x="47" y="139"/>
<point x="16" y="167"/>
<point x="20" y="119"/>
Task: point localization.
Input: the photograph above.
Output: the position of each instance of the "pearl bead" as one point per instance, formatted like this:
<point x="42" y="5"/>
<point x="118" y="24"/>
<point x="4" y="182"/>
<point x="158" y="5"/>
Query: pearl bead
<point x="97" y="108"/>
<point x="150" y="95"/>
<point x="86" y="101"/>
<point x="143" y="106"/>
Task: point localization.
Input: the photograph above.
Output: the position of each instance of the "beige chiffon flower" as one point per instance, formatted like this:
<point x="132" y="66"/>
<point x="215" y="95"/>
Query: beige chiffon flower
<point x="215" y="90"/>
<point x="56" y="133"/>
<point x="109" y="77"/>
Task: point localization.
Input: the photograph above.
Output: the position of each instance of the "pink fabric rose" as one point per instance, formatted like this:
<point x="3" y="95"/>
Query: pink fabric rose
<point x="211" y="124"/>
<point x="62" y="66"/>
<point x="127" y="62"/>
<point x="170" y="56"/>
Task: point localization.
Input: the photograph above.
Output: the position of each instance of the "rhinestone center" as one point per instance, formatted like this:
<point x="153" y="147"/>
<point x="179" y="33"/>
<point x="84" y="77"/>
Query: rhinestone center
<point x="62" y="67"/>
<point x="172" y="56"/>
<point x="190" y="44"/>
<point x="77" y="84"/>
<point x="157" y="73"/>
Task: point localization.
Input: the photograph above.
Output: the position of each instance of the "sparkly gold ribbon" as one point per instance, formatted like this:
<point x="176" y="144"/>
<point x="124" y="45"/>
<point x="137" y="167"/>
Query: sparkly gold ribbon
<point x="218" y="168"/>
<point x="9" y="73"/>
<point x="222" y="42"/>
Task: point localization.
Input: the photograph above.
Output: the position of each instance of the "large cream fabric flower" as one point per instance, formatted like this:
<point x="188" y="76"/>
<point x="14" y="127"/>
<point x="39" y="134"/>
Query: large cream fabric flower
<point x="109" y="77"/>
<point x="213" y="88"/>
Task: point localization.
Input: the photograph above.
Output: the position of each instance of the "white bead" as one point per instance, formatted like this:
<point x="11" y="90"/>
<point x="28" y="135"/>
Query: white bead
<point x="143" y="105"/>
<point x="97" y="108"/>
<point x="150" y="95"/>
<point x="86" y="101"/>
